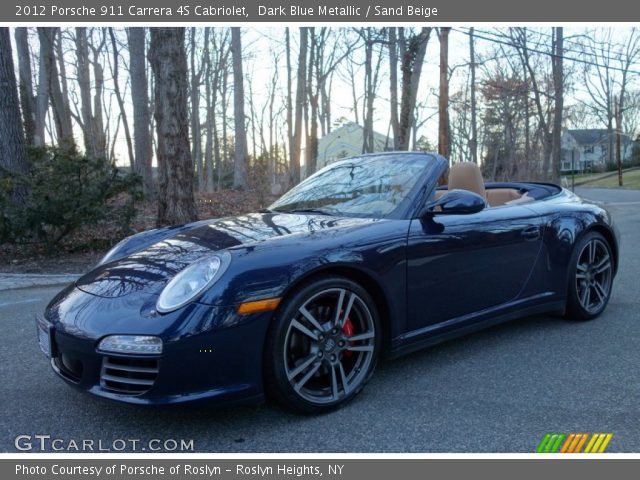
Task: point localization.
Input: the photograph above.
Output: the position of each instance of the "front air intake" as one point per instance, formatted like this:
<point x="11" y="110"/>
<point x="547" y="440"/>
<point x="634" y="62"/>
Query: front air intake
<point x="127" y="375"/>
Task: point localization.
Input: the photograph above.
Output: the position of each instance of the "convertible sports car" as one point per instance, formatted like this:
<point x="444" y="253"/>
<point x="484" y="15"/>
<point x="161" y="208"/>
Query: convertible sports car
<point x="367" y="257"/>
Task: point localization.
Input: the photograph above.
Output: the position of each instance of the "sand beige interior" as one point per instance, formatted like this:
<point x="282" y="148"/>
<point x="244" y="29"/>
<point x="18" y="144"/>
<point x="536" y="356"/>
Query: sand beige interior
<point x="467" y="176"/>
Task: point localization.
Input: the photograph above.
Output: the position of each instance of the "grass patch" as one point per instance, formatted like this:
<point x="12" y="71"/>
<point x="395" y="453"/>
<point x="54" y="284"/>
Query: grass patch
<point x="630" y="180"/>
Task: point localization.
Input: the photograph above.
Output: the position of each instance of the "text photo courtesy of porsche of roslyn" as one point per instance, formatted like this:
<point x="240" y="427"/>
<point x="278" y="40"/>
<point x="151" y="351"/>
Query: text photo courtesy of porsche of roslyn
<point x="367" y="229"/>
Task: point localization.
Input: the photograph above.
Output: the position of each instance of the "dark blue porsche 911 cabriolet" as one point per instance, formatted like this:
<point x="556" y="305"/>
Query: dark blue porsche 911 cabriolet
<point x="368" y="257"/>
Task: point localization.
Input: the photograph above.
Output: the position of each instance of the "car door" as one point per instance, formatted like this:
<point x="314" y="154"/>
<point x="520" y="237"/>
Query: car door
<point x="461" y="264"/>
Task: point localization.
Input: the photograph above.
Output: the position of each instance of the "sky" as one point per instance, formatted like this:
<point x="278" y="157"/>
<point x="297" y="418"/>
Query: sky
<point x="260" y="43"/>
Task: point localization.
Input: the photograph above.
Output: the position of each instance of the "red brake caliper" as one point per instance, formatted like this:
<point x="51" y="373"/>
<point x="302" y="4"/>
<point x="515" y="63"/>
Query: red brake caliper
<point x="348" y="331"/>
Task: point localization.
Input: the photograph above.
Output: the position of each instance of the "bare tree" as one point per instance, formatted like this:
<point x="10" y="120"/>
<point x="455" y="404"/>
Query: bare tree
<point x="91" y="120"/>
<point x="411" y="50"/>
<point x="607" y="79"/>
<point x="176" y="203"/>
<point x="240" y="159"/>
<point x="294" y="167"/>
<point x="393" y="86"/>
<point x="473" y="141"/>
<point x="520" y="39"/>
<point x="13" y="154"/>
<point x="558" y="108"/>
<point x="505" y="93"/>
<point x="626" y="61"/>
<point x="42" y="96"/>
<point x="444" y="140"/>
<point x="140" y="100"/>
<point x="323" y="60"/>
<point x="49" y="90"/>
<point x="197" y="72"/>
<point x="371" y="37"/>
<point x="27" y="99"/>
<point x="116" y="86"/>
<point x="216" y="53"/>
<point x="287" y="40"/>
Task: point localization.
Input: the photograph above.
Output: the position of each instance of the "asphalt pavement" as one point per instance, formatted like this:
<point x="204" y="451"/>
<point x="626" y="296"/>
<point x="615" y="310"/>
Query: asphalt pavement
<point x="499" y="390"/>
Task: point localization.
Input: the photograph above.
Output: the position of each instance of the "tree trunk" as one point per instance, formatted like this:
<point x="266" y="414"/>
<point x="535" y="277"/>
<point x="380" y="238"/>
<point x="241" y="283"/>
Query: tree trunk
<point x="473" y="144"/>
<point x="412" y="59"/>
<point x="558" y="84"/>
<point x="224" y="93"/>
<point x="42" y="98"/>
<point x="13" y="153"/>
<point x="65" y="106"/>
<point x="241" y="153"/>
<point x="116" y="86"/>
<point x="27" y="99"/>
<point x="393" y="84"/>
<point x="176" y="203"/>
<point x="194" y="93"/>
<point x="141" y="115"/>
<point x="367" y="132"/>
<point x="91" y="109"/>
<point x="49" y="74"/>
<point x="547" y="137"/>
<point x="98" y="130"/>
<point x="618" y="144"/>
<point x="311" y="144"/>
<point x="444" y="140"/>
<point x="294" y="167"/>
<point x="211" y="85"/>
<point x="287" y="40"/>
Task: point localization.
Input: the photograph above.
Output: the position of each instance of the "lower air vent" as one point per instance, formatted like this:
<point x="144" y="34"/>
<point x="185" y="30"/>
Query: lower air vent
<point x="128" y="376"/>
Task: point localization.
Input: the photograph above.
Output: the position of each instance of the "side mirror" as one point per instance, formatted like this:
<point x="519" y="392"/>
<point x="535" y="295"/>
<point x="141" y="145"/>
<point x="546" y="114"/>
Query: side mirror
<point x="456" y="202"/>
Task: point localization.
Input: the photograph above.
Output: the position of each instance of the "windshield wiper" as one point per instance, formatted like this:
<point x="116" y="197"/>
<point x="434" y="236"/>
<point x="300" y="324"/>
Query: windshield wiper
<point x="317" y="211"/>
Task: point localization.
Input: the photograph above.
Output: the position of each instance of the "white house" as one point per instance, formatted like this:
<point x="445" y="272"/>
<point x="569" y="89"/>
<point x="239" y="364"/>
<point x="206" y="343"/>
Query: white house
<point x="346" y="141"/>
<point x="587" y="150"/>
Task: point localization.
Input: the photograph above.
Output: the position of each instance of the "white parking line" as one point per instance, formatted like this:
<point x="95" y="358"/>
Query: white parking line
<point x="17" y="302"/>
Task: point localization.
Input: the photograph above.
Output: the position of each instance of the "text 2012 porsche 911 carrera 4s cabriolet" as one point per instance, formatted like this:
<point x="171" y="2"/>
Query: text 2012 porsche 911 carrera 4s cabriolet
<point x="367" y="257"/>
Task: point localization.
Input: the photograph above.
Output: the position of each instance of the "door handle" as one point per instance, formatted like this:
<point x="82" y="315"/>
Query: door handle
<point x="531" y="233"/>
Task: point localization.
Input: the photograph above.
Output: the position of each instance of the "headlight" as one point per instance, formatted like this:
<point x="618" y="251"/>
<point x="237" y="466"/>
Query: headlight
<point x="137" y="344"/>
<point x="192" y="281"/>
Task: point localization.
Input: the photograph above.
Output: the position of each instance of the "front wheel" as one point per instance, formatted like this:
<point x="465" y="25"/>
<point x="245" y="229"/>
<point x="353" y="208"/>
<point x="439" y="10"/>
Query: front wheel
<point x="590" y="278"/>
<point x="323" y="346"/>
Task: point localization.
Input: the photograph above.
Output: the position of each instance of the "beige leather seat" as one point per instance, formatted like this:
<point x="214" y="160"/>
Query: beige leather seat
<point x="466" y="176"/>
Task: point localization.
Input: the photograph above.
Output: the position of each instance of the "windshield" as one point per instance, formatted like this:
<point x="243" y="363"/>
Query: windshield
<point x="370" y="186"/>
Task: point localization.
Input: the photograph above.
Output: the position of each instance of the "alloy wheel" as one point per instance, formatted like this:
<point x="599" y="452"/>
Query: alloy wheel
<point x="329" y="346"/>
<point x="594" y="273"/>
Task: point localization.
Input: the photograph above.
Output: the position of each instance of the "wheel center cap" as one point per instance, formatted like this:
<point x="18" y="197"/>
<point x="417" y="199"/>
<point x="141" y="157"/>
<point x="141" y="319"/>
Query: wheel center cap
<point x="329" y="345"/>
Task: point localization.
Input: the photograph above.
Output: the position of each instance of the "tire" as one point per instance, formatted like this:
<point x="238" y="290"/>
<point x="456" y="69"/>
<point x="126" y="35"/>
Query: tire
<point x="317" y="360"/>
<point x="590" y="278"/>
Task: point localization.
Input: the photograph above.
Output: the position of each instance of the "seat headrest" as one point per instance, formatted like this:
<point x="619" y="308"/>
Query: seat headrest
<point x="466" y="176"/>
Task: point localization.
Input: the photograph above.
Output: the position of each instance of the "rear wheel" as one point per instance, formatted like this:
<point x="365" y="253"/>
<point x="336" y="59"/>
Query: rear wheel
<point x="590" y="278"/>
<point x="323" y="346"/>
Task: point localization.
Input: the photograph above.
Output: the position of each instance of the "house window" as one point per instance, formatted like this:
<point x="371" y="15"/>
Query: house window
<point x="588" y="149"/>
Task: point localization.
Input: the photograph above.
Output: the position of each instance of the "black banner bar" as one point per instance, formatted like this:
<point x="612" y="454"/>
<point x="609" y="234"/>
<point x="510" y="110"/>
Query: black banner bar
<point x="301" y="468"/>
<point x="324" y="11"/>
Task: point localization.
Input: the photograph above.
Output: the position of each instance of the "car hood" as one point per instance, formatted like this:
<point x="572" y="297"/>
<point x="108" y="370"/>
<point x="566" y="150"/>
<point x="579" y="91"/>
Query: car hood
<point x="150" y="268"/>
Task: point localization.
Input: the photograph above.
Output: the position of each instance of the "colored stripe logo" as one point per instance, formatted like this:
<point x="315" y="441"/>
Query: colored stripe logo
<point x="574" y="442"/>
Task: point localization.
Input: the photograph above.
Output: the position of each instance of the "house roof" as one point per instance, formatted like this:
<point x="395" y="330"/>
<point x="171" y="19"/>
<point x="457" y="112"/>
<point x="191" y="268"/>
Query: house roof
<point x="349" y="136"/>
<point x="593" y="136"/>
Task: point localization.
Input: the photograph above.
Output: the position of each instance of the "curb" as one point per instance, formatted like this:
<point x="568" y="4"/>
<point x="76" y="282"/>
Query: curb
<point x="14" y="281"/>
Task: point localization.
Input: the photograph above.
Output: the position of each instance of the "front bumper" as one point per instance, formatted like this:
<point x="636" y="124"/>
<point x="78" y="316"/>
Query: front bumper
<point x="221" y="364"/>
